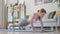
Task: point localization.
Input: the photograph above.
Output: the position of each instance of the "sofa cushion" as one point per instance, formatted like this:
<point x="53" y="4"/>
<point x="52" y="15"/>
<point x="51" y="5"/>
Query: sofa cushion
<point x="51" y="15"/>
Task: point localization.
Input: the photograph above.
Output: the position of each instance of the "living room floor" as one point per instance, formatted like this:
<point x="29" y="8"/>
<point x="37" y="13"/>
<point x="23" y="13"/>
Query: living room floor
<point x="29" y="33"/>
<point x="58" y="32"/>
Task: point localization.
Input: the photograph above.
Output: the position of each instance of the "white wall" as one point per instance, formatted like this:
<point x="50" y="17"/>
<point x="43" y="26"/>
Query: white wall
<point x="31" y="8"/>
<point x="49" y="7"/>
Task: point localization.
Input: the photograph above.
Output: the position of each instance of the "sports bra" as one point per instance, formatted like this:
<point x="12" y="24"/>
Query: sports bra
<point x="34" y="20"/>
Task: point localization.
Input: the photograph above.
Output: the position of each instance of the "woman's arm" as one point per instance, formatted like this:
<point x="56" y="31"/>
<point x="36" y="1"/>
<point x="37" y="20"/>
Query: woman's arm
<point x="41" y="23"/>
<point x="31" y="21"/>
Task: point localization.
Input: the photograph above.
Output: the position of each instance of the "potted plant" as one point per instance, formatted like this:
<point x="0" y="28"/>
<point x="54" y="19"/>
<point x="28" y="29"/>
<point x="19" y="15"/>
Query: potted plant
<point x="58" y="2"/>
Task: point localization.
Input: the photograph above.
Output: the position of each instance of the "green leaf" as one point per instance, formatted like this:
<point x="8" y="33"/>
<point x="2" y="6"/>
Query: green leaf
<point x="59" y="5"/>
<point x="59" y="1"/>
<point x="56" y="0"/>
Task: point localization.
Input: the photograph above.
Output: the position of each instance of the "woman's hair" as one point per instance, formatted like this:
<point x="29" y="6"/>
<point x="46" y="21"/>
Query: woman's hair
<point x="38" y="11"/>
<point x="42" y="10"/>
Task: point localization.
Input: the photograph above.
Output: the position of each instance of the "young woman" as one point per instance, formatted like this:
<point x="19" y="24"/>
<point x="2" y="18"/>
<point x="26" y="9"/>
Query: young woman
<point x="36" y="16"/>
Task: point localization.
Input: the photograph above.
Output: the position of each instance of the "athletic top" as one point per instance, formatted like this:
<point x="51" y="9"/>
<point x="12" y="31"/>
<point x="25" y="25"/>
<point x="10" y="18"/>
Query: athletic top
<point x="35" y="20"/>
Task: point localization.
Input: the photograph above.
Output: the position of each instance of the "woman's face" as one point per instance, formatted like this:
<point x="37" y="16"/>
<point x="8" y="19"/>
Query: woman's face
<point x="41" y="14"/>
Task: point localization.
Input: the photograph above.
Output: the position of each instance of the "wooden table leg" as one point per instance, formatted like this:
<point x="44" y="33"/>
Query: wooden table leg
<point x="56" y="28"/>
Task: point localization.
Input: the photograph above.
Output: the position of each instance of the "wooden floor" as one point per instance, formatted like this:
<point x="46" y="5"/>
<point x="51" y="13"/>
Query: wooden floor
<point x="29" y="33"/>
<point x="58" y="32"/>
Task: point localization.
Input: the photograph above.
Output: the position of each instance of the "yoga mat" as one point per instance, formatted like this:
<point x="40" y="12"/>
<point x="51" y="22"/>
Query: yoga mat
<point x="25" y="30"/>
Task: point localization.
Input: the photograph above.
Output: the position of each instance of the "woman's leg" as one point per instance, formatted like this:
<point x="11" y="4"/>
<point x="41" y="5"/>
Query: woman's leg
<point x="23" y="23"/>
<point x="11" y="27"/>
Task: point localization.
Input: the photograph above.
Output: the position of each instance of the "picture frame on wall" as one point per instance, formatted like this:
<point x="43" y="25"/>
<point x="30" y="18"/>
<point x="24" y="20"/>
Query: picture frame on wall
<point x="48" y="1"/>
<point x="38" y="2"/>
